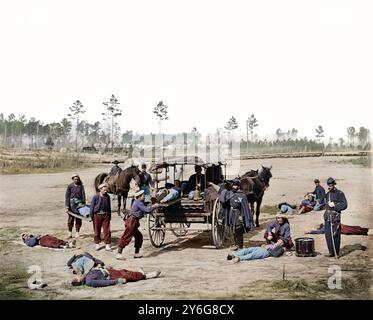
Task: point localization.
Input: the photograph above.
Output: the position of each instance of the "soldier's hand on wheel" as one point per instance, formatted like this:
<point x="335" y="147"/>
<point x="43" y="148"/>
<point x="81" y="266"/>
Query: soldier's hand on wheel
<point x="331" y="204"/>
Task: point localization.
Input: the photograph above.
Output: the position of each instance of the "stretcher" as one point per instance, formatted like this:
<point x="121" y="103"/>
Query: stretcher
<point x="169" y="203"/>
<point x="79" y="216"/>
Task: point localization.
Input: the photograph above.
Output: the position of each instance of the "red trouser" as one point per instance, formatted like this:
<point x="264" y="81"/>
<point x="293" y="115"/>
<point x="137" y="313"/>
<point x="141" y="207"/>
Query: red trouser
<point x="51" y="242"/>
<point x="306" y="208"/>
<point x="70" y="223"/>
<point x="275" y="237"/>
<point x="355" y="230"/>
<point x="101" y="221"/>
<point x="130" y="276"/>
<point x="131" y="230"/>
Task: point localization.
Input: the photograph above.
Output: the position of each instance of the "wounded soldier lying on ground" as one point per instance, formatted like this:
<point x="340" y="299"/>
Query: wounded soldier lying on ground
<point x="345" y="229"/>
<point x="46" y="241"/>
<point x="82" y="262"/>
<point x="252" y="253"/>
<point x="91" y="271"/>
<point x="286" y="208"/>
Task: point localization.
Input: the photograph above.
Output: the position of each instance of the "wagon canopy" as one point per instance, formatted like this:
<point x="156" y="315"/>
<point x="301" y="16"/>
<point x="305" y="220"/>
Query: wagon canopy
<point x="186" y="160"/>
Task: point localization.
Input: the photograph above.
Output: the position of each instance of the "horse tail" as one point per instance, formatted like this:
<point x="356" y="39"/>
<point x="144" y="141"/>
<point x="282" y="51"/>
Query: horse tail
<point x="100" y="179"/>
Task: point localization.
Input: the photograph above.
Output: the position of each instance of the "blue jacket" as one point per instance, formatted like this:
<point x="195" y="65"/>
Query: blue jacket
<point x="319" y="231"/>
<point x="139" y="208"/>
<point x="86" y="254"/>
<point x="236" y="200"/>
<point x="99" y="278"/>
<point x="320" y="194"/>
<point x="339" y="199"/>
<point x="100" y="204"/>
<point x="145" y="179"/>
<point x="282" y="230"/>
<point x="74" y="191"/>
<point x="33" y="241"/>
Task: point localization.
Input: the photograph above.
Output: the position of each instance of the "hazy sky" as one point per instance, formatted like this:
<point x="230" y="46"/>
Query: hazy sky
<point x="291" y="63"/>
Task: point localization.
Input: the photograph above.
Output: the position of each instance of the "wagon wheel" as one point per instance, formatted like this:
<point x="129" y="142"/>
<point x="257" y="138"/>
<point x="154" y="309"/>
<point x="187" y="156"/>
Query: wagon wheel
<point x="179" y="229"/>
<point x="157" y="229"/>
<point x="218" y="227"/>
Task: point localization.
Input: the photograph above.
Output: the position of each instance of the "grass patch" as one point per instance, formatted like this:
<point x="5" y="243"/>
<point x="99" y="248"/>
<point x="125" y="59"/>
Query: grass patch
<point x="356" y="287"/>
<point x="7" y="236"/>
<point x="41" y="162"/>
<point x="13" y="285"/>
<point x="10" y="233"/>
<point x="365" y="161"/>
<point x="273" y="209"/>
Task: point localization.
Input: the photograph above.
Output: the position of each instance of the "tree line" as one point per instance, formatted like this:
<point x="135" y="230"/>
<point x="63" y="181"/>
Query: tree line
<point x="73" y="132"/>
<point x="288" y="139"/>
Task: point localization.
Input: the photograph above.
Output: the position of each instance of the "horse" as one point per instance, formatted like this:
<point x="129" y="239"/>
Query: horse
<point x="251" y="173"/>
<point x="121" y="184"/>
<point x="253" y="184"/>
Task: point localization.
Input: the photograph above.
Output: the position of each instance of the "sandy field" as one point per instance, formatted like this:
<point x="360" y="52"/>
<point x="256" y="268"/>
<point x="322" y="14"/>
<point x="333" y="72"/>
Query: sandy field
<point x="191" y="266"/>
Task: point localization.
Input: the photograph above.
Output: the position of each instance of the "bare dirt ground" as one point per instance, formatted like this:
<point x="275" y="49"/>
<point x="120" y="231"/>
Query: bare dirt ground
<point x="191" y="267"/>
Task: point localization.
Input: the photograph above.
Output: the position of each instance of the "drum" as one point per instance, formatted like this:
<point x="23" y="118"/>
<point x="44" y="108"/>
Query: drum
<point x="305" y="247"/>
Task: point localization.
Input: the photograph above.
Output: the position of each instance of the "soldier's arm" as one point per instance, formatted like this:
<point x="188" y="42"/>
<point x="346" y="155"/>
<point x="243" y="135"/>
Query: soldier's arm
<point x="341" y="204"/>
<point x="67" y="197"/>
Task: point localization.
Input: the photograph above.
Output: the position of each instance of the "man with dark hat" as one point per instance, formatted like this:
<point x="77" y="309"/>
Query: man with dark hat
<point x="336" y="203"/>
<point x="132" y="224"/>
<point x="237" y="213"/>
<point x="320" y="195"/>
<point x="145" y="182"/>
<point x="115" y="169"/>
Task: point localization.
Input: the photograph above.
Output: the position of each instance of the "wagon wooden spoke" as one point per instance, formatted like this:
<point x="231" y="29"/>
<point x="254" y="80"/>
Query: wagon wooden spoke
<point x="218" y="228"/>
<point x="179" y="229"/>
<point x="157" y="230"/>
